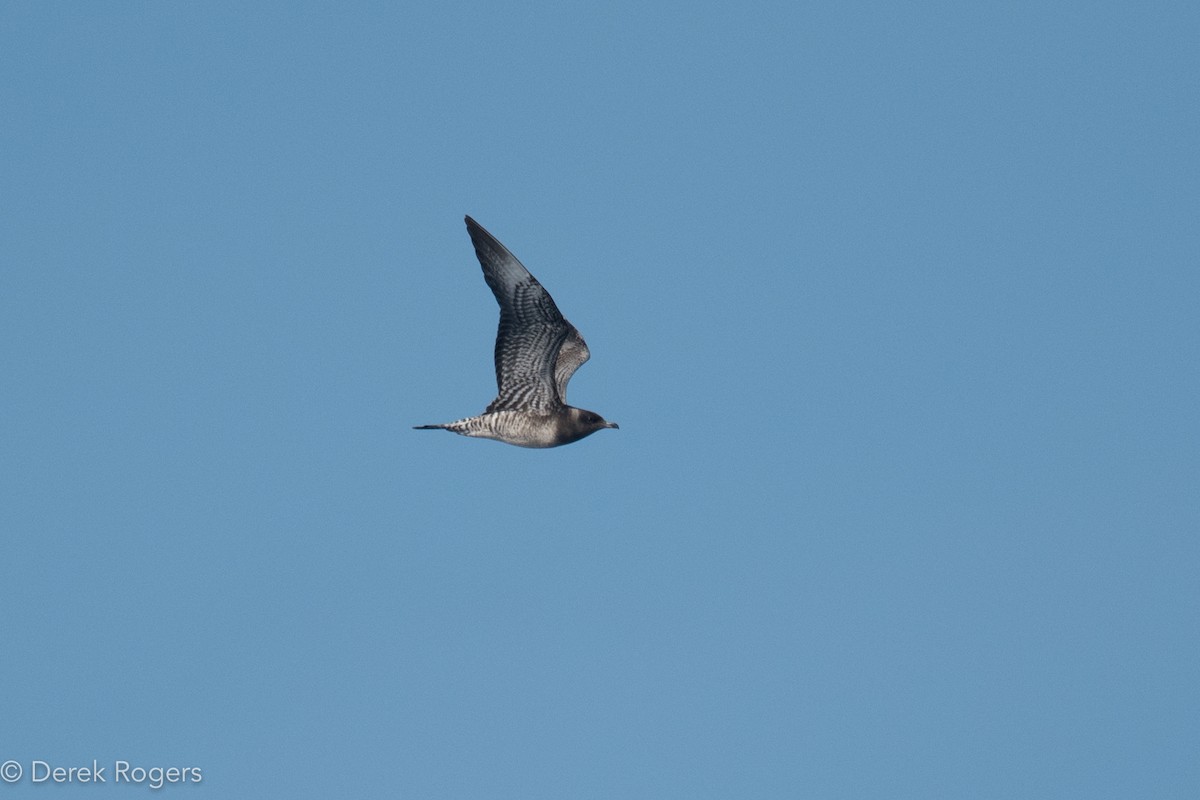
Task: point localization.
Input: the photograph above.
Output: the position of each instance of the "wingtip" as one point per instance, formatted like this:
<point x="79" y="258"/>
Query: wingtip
<point x="475" y="230"/>
<point x="484" y="240"/>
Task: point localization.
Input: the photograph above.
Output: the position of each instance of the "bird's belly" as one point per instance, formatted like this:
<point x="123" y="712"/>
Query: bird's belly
<point x="520" y="429"/>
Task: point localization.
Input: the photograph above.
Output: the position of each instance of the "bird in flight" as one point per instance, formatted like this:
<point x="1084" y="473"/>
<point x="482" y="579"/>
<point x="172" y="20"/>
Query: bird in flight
<point x="537" y="352"/>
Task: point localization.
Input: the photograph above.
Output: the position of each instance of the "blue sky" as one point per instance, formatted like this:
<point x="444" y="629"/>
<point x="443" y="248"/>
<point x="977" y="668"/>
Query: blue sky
<point x="895" y="303"/>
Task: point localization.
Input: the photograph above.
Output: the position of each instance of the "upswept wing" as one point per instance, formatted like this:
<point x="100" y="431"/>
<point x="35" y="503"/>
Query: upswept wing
<point x="532" y="363"/>
<point x="571" y="356"/>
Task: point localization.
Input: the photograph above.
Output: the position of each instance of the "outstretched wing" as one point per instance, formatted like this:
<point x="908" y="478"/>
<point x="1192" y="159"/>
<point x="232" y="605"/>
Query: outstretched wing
<point x="530" y="374"/>
<point x="571" y="356"/>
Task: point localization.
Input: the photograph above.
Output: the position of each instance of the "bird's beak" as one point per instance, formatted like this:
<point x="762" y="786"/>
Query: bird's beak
<point x="613" y="425"/>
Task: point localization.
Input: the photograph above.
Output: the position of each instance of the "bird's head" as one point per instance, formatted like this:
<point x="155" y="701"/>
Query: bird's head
<point x="585" y="422"/>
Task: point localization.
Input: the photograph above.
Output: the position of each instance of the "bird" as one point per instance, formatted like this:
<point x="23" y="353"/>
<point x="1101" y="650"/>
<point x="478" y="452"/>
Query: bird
<point x="537" y="352"/>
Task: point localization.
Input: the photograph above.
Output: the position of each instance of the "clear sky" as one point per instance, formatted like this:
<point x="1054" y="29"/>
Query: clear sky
<point x="896" y="305"/>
